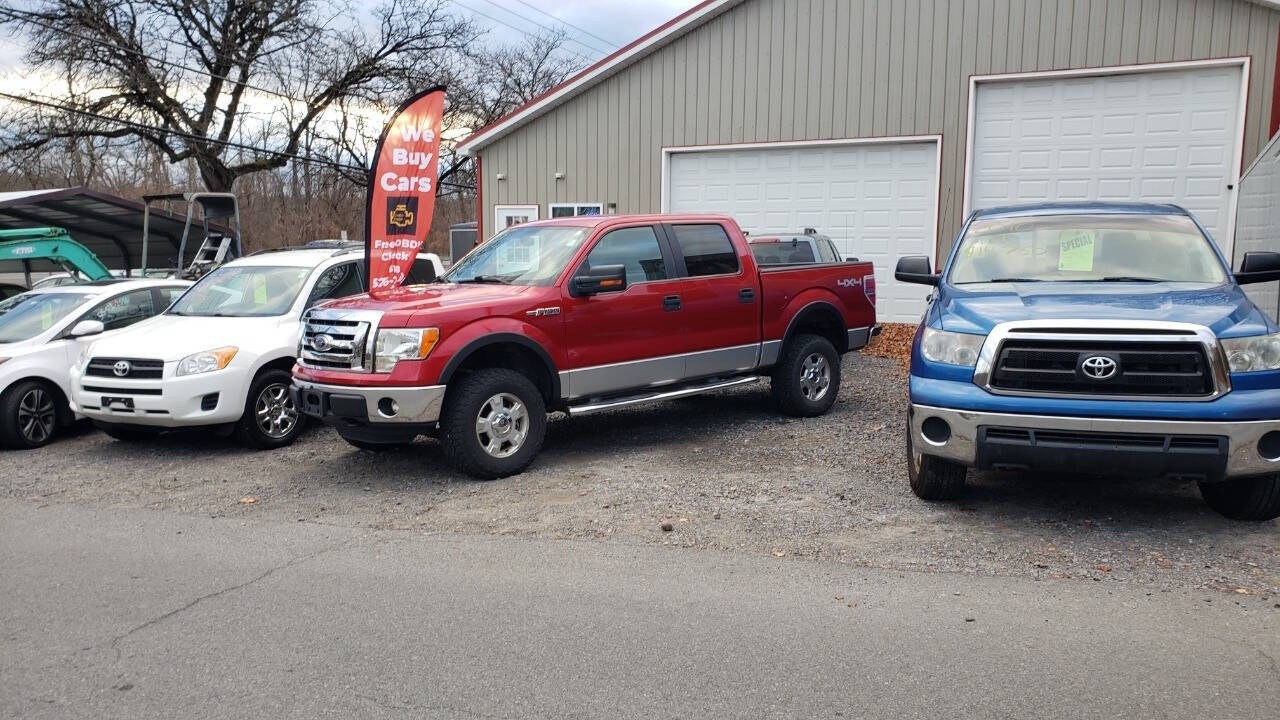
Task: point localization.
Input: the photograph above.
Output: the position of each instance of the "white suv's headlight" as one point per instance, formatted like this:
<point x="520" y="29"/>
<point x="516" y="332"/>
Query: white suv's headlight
<point x="206" y="361"/>
<point x="1251" y="354"/>
<point x="951" y="348"/>
<point x="396" y="344"/>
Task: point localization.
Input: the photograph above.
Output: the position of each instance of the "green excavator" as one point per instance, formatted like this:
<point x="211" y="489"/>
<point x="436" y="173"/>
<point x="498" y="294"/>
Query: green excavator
<point x="55" y="245"/>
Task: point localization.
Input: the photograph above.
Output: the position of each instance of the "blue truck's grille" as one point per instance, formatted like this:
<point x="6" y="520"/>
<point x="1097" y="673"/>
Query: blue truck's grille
<point x="1046" y="366"/>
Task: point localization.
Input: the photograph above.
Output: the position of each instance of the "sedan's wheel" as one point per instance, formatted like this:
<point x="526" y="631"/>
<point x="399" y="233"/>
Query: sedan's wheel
<point x="28" y="415"/>
<point x="502" y="425"/>
<point x="270" y="418"/>
<point x="493" y="423"/>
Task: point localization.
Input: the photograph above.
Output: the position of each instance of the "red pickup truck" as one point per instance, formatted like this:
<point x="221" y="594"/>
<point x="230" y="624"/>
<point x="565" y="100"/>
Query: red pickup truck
<point x="578" y="315"/>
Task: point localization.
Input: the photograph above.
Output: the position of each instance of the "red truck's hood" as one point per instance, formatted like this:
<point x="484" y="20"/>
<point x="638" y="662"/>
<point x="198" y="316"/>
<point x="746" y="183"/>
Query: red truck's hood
<point x="404" y="302"/>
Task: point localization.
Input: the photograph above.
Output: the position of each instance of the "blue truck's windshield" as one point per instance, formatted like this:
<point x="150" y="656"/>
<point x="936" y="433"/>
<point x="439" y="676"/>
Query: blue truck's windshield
<point x="1086" y="248"/>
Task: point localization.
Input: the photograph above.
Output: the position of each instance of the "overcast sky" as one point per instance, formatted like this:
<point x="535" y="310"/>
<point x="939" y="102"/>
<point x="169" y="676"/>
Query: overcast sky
<point x="617" y="21"/>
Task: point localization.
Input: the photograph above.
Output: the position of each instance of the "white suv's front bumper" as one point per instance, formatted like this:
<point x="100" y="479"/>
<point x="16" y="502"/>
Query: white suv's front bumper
<point x="168" y="402"/>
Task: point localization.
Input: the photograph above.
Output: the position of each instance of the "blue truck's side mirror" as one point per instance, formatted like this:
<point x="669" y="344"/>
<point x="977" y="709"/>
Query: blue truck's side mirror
<point x="1259" y="267"/>
<point x="915" y="269"/>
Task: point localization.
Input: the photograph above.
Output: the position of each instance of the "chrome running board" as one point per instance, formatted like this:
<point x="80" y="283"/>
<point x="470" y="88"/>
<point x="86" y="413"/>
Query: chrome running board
<point x="587" y="409"/>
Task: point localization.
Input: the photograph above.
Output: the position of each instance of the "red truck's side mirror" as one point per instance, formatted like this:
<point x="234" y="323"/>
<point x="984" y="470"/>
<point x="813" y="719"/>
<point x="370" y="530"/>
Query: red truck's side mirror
<point x="605" y="278"/>
<point x="915" y="269"/>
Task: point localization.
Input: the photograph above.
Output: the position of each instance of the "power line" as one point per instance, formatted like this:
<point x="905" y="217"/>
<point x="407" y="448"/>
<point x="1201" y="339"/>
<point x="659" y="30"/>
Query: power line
<point x="527" y="19"/>
<point x="25" y="17"/>
<point x="580" y="29"/>
<point x="575" y="54"/>
<point x="178" y="133"/>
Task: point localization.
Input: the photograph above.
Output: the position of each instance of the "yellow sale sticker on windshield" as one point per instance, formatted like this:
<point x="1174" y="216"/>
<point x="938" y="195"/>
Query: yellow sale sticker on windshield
<point x="1075" y="251"/>
<point x="259" y="290"/>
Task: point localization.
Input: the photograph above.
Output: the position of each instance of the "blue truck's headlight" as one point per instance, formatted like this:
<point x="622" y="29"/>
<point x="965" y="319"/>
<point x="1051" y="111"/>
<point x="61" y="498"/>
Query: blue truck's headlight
<point x="951" y="348"/>
<point x="1252" y="354"/>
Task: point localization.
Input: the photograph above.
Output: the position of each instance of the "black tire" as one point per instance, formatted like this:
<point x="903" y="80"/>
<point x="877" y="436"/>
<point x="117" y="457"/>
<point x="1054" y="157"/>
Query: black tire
<point x="933" y="478"/>
<point x="374" y="446"/>
<point x="29" y="414"/>
<point x="485" y="393"/>
<point x="270" y="419"/>
<point x="1256" y="498"/>
<point x="806" y="379"/>
<point x="124" y="433"/>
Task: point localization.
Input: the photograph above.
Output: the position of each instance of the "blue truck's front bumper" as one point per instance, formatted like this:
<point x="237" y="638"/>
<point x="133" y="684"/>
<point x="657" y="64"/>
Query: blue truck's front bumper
<point x="984" y="430"/>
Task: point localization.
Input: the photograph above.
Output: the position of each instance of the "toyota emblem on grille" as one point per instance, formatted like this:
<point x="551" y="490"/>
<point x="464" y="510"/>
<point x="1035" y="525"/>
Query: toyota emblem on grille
<point x="1099" y="367"/>
<point x="322" y="343"/>
<point x="122" y="368"/>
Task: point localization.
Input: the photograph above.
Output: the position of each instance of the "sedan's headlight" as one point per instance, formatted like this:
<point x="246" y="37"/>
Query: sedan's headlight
<point x="1251" y="354"/>
<point x="951" y="348"/>
<point x="206" y="361"/>
<point x="396" y="344"/>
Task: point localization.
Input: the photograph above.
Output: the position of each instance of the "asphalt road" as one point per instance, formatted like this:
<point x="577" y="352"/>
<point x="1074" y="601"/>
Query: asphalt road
<point x="127" y="613"/>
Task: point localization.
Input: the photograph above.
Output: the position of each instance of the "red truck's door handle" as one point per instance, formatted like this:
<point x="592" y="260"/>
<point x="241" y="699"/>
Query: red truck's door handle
<point x="671" y="303"/>
<point x="746" y="296"/>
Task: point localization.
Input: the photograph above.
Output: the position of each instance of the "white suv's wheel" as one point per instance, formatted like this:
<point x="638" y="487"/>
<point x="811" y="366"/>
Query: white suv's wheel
<point x="270" y="418"/>
<point x="28" y="415"/>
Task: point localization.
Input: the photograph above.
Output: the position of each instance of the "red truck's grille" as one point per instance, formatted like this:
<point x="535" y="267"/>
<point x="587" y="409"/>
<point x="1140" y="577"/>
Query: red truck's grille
<point x="332" y="341"/>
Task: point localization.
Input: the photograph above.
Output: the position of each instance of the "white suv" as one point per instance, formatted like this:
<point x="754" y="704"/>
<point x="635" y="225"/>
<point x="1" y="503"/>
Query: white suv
<point x="42" y="332"/>
<point x="221" y="356"/>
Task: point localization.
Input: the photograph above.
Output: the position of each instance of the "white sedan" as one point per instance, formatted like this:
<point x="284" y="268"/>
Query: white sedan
<point x="42" y="333"/>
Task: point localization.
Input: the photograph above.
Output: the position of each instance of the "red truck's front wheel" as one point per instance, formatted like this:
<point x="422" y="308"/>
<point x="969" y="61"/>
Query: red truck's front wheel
<point x="493" y="423"/>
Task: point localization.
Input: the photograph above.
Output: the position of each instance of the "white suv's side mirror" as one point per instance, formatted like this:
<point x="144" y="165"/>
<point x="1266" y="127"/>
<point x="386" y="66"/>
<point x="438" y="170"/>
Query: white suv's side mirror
<point x="85" y="328"/>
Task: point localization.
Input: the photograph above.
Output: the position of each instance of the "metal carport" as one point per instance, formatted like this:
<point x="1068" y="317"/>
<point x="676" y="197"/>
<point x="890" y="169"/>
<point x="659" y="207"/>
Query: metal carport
<point x="109" y="225"/>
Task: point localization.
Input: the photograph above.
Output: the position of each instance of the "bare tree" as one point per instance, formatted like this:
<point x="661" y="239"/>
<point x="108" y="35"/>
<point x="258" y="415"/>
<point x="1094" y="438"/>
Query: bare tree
<point x="193" y="78"/>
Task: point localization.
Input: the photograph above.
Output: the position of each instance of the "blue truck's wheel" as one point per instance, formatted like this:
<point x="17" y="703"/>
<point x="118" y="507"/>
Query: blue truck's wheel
<point x="933" y="478"/>
<point x="1255" y="498"/>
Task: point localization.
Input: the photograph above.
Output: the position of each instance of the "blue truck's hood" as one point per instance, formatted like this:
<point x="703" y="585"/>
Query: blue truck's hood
<point x="1223" y="308"/>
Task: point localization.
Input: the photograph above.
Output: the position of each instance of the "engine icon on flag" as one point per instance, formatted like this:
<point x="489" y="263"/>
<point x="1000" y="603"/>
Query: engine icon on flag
<point x="402" y="212"/>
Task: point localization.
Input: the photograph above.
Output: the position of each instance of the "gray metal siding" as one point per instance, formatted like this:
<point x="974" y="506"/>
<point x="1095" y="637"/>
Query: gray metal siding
<point x="773" y="70"/>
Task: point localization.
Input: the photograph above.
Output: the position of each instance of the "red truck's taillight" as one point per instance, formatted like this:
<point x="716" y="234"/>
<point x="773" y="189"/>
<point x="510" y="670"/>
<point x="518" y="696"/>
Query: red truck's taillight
<point x="869" y="288"/>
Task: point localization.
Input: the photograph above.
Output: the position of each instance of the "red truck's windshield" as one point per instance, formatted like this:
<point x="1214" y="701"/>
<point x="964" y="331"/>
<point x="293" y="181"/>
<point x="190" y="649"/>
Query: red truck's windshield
<point x="522" y="255"/>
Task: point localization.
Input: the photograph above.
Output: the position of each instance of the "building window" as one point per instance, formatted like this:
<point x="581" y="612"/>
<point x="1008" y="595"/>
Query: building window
<point x="562" y="210"/>
<point x="506" y="216"/>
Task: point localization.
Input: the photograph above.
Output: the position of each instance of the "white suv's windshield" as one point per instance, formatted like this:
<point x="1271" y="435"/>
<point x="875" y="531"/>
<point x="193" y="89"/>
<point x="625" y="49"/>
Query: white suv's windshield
<point x="243" y="291"/>
<point x="23" y="317"/>
<point x="1086" y="248"/>
<point x="522" y="255"/>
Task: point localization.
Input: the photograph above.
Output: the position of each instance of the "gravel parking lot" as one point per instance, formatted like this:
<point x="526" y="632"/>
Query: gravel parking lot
<point x="727" y="471"/>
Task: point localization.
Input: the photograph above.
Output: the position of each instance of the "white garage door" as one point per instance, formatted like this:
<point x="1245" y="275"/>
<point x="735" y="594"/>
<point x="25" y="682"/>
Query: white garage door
<point x="876" y="201"/>
<point x="1154" y="136"/>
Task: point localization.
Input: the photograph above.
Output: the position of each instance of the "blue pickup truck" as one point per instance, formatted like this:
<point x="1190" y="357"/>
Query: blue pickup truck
<point x="1100" y="337"/>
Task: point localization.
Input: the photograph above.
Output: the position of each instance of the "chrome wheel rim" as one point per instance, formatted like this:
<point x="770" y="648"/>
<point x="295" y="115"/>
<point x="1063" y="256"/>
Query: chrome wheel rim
<point x="276" y="415"/>
<point x="502" y="425"/>
<point x="37" y="416"/>
<point x="815" y="377"/>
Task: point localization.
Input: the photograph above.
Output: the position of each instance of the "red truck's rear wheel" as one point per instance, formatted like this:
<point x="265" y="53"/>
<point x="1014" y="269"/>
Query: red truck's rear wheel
<point x="493" y="423"/>
<point x="806" y="379"/>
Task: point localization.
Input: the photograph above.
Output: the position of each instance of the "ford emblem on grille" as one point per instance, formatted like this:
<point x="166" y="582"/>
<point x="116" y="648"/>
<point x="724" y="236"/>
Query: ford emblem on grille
<point x="122" y="368"/>
<point x="322" y="343"/>
<point x="1099" y="367"/>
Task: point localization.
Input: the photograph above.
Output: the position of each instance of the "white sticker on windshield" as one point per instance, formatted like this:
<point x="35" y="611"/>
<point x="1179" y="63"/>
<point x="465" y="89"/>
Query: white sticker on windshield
<point x="1075" y="250"/>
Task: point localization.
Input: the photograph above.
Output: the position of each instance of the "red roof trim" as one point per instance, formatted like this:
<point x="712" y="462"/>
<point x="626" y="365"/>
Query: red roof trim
<point x="601" y="64"/>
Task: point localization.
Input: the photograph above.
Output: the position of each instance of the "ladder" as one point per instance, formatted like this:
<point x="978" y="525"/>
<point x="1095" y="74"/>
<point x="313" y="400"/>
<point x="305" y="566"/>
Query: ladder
<point x="213" y="250"/>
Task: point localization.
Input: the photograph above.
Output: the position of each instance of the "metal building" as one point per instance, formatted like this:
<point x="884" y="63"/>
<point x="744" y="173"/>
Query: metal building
<point x="882" y="123"/>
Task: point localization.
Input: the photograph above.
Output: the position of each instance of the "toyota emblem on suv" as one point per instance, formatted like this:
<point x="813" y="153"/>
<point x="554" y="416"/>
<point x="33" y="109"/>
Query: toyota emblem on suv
<point x="122" y="368"/>
<point x="1099" y="367"/>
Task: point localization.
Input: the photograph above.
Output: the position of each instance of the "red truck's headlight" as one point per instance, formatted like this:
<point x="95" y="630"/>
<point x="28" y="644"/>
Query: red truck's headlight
<point x="396" y="344"/>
